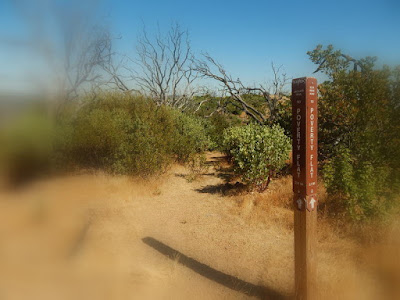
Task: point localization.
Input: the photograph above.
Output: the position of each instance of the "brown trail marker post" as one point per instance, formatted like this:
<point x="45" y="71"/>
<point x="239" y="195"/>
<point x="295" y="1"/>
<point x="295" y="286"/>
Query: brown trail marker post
<point x="305" y="162"/>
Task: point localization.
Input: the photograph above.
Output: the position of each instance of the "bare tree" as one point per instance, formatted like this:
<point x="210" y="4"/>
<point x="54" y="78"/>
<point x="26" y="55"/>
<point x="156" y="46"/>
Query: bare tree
<point x="114" y="78"/>
<point x="84" y="57"/>
<point x="273" y="92"/>
<point x="210" y="68"/>
<point x="164" y="67"/>
<point x="211" y="95"/>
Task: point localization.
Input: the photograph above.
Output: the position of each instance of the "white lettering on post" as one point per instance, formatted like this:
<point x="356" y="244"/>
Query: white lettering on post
<point x="298" y="138"/>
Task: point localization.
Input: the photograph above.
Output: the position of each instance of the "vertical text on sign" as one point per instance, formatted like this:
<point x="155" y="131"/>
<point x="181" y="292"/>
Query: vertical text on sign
<point x="298" y="129"/>
<point x="305" y="141"/>
<point x="312" y="136"/>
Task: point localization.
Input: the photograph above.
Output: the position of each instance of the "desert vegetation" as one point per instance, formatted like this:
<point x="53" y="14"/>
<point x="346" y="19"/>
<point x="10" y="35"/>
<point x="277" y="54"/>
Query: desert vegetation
<point x="131" y="133"/>
<point x="164" y="125"/>
<point x="257" y="152"/>
<point x="359" y="130"/>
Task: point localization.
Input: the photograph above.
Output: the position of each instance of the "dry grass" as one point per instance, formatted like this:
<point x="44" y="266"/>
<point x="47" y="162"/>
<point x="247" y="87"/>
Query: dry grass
<point x="82" y="237"/>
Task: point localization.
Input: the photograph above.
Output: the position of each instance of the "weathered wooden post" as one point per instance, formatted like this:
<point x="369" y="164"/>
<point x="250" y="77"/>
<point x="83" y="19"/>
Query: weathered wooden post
<point x="305" y="162"/>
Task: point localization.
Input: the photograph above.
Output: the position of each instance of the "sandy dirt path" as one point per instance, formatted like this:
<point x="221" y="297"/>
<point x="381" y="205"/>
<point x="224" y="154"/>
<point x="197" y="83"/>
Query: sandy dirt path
<point x="104" y="237"/>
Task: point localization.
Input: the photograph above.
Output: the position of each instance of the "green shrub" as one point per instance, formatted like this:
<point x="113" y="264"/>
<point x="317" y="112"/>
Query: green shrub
<point x="191" y="136"/>
<point x="119" y="133"/>
<point x="127" y="134"/>
<point x="359" y="133"/>
<point x="116" y="132"/>
<point x="215" y="126"/>
<point x="360" y="187"/>
<point x="257" y="151"/>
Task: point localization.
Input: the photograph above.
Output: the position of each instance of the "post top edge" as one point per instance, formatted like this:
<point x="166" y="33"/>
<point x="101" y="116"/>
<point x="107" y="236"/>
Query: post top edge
<point x="305" y="77"/>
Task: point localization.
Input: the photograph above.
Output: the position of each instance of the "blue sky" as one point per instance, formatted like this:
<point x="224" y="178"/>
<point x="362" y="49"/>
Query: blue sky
<point x="245" y="36"/>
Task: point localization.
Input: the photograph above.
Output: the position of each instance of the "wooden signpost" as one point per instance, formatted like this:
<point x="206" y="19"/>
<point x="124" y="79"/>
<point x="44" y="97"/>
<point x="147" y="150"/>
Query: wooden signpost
<point x="305" y="200"/>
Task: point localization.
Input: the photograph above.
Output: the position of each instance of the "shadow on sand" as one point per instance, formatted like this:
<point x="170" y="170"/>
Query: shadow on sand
<point x="225" y="189"/>
<point x="226" y="280"/>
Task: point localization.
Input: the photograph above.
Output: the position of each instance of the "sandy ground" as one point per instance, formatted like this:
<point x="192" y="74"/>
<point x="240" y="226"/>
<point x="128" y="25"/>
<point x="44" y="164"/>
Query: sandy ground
<point x="103" y="237"/>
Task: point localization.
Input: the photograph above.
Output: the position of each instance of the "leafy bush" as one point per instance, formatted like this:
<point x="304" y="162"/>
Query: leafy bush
<point x="257" y="151"/>
<point x="359" y="132"/>
<point x="215" y="126"/>
<point x="191" y="136"/>
<point x="118" y="133"/>
<point x="360" y="188"/>
<point x="128" y="135"/>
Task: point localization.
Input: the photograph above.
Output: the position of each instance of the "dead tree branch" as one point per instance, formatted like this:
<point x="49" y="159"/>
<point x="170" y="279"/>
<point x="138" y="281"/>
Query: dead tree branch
<point x="210" y="68"/>
<point x="164" y="67"/>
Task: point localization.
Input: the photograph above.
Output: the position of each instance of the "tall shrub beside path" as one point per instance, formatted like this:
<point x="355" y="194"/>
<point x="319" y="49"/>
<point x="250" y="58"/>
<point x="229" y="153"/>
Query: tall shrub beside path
<point x="127" y="134"/>
<point x="257" y="152"/>
<point x="191" y="137"/>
